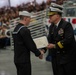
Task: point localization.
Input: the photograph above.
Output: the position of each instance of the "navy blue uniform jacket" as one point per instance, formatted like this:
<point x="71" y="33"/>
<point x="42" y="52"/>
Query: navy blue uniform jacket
<point x="23" y="44"/>
<point x="63" y="38"/>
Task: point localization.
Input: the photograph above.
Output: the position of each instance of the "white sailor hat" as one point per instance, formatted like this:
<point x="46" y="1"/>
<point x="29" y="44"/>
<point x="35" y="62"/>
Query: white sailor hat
<point x="55" y="8"/>
<point x="25" y="13"/>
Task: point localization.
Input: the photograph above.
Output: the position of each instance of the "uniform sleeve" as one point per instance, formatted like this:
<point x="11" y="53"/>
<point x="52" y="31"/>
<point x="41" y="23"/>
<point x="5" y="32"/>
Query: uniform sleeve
<point x="29" y="43"/>
<point x="44" y="49"/>
<point x="68" y="37"/>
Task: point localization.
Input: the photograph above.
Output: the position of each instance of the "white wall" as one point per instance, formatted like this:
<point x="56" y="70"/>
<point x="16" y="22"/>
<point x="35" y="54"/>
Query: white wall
<point x="40" y="1"/>
<point x="3" y="3"/>
<point x="17" y="2"/>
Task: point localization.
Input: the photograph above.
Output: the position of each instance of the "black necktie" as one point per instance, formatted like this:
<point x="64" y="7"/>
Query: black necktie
<point x="55" y="27"/>
<point x="55" y="31"/>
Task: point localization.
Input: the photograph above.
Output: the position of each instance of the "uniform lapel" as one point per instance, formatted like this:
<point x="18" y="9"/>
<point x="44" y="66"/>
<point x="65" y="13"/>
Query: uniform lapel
<point x="56" y="29"/>
<point x="60" y="25"/>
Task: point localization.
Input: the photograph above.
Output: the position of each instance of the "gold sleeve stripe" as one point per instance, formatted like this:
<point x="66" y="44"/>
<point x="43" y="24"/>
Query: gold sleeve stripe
<point x="60" y="45"/>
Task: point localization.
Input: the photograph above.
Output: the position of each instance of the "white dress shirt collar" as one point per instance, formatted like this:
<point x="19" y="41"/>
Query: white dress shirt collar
<point x="58" y="23"/>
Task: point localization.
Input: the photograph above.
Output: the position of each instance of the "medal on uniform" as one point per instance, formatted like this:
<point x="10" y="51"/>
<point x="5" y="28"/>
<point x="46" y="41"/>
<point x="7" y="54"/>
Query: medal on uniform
<point x="60" y="32"/>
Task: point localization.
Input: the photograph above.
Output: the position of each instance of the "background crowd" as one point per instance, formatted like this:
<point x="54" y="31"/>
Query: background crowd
<point x="9" y="13"/>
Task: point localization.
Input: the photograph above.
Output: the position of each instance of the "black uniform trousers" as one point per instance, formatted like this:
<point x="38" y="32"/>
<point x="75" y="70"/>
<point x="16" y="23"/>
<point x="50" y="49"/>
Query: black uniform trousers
<point x="64" y="69"/>
<point x="23" y="68"/>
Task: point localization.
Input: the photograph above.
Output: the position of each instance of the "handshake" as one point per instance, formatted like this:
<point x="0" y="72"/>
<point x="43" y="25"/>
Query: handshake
<point x="42" y="53"/>
<point x="49" y="46"/>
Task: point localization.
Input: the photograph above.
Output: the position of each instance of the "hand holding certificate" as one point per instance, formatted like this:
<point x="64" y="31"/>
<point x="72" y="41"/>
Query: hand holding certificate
<point x="41" y="42"/>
